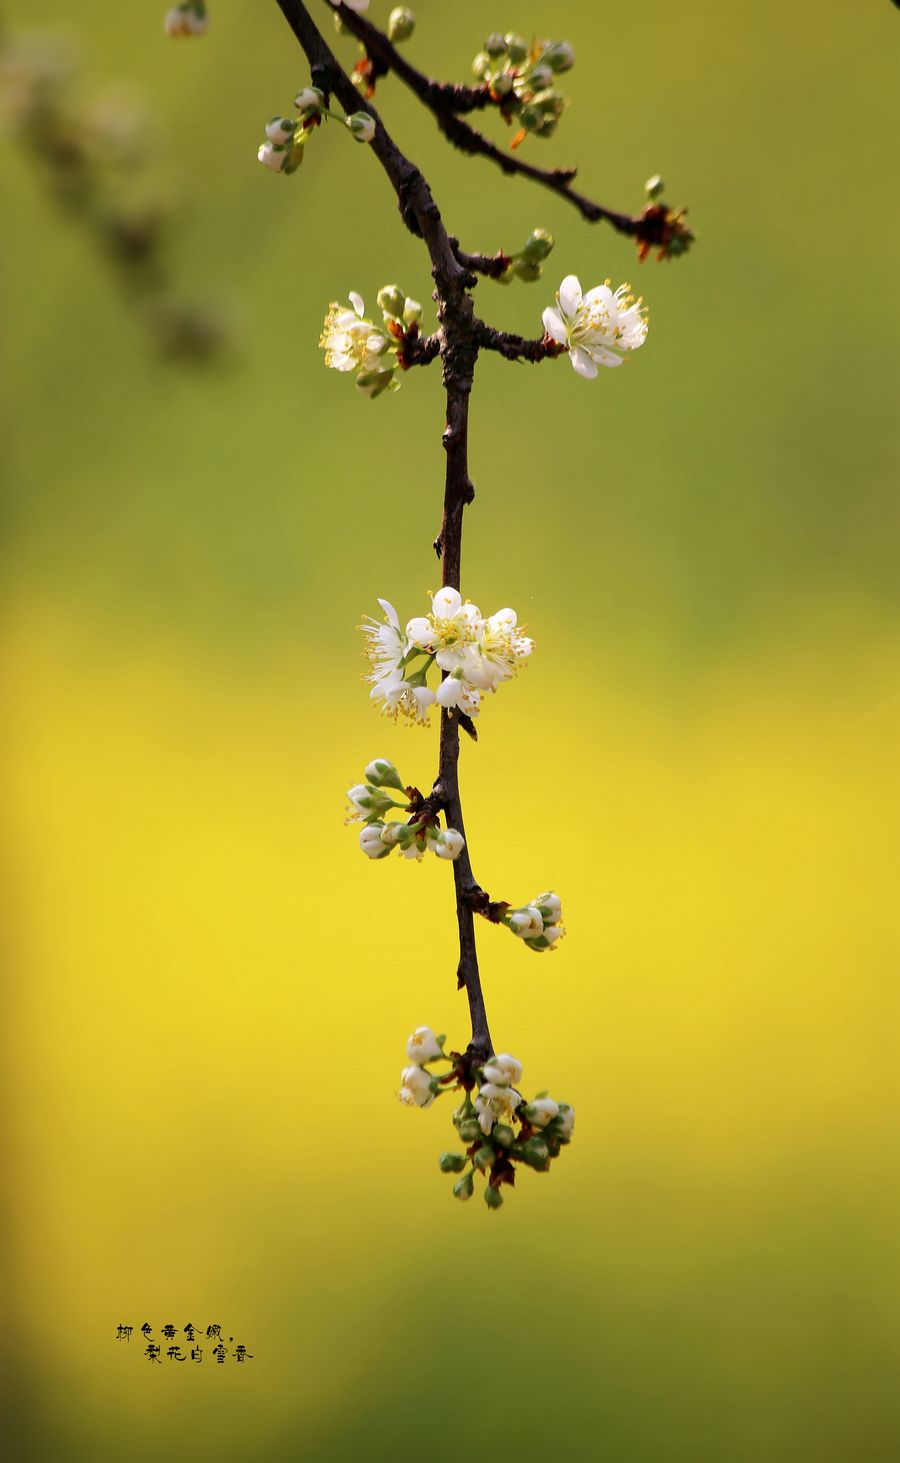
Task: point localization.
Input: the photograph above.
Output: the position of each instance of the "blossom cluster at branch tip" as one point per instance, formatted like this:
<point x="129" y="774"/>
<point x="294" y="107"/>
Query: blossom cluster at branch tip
<point x="370" y="802"/>
<point x="352" y="342"/>
<point x="188" y="19"/>
<point x="520" y="78"/>
<point x="597" y="329"/>
<point x="286" y="137"/>
<point x="475" y="654"/>
<point x="499" y="1129"/>
<point x="528" y="264"/>
<point x="539" y="923"/>
<point x="662" y="227"/>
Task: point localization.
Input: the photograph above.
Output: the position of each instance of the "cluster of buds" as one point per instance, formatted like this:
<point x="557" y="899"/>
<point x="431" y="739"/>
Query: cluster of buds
<point x="370" y="802"/>
<point x="599" y="328"/>
<point x="499" y="1129"/>
<point x="528" y="264"/>
<point x="520" y="78"/>
<point x="539" y="923"/>
<point x="286" y="137"/>
<point x="191" y="18"/>
<point x="368" y="71"/>
<point x="476" y="654"/>
<point x="352" y="342"/>
<point x="662" y="227"/>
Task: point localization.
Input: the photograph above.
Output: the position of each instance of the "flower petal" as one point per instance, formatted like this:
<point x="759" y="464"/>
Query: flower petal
<point x="570" y="294"/>
<point x="390" y="613"/>
<point x="583" y="363"/>
<point x="554" y="326"/>
<point x="446" y="603"/>
<point x="358" y="303"/>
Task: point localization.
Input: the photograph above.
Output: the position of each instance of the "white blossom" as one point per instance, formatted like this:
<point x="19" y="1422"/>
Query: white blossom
<point x="386" y="649"/>
<point x="371" y="842"/>
<point x="362" y="126"/>
<point x="541" y="1112"/>
<point x="349" y="340"/>
<point x="526" y="923"/>
<point x="272" y="156"/>
<point x="415" y="1090"/>
<point x="449" y="844"/>
<point x="597" y="329"/>
<point x="423" y="1046"/>
<point x="495" y="1104"/>
<point x="503" y="1070"/>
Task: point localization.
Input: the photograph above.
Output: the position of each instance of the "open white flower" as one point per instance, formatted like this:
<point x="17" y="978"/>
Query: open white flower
<point x="415" y="1090"/>
<point x="349" y="340"/>
<point x="597" y="329"/>
<point x="423" y="1046"/>
<point x="495" y="1104"/>
<point x="387" y="648"/>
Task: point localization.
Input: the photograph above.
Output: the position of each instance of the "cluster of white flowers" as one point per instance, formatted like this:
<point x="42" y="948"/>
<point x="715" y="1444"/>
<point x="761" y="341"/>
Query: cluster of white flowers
<point x="352" y="342"/>
<point x="476" y="654"/>
<point x="521" y="76"/>
<point x="539" y="923"/>
<point x="188" y="19"/>
<point x="377" y="838"/>
<point x="597" y="329"/>
<point x="486" y="1126"/>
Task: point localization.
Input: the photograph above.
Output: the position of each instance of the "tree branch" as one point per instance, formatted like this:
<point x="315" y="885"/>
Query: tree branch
<point x="458" y="350"/>
<point x="517" y="347"/>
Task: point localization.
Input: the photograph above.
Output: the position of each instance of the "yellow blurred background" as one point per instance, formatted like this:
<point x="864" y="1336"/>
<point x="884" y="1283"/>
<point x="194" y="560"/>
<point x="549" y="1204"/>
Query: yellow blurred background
<point x="208" y="989"/>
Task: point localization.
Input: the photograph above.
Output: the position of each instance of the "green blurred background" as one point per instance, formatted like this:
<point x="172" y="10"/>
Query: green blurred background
<point x="208" y="989"/>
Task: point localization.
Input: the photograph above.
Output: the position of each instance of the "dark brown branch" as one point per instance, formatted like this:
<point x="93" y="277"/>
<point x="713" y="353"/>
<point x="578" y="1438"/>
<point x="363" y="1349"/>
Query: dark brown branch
<point x="439" y="99"/>
<point x="458" y="351"/>
<point x="516" y="347"/>
<point x="492" y="265"/>
<point x="418" y="350"/>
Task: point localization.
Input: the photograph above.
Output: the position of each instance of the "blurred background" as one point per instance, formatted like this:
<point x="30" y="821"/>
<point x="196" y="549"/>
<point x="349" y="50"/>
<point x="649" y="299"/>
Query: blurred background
<point x="208" y="989"/>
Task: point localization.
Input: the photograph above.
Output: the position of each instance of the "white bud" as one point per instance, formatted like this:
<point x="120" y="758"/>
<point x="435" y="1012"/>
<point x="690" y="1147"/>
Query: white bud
<point x="542" y="1111"/>
<point x="552" y="933"/>
<point x="416" y="1088"/>
<point x="412" y="312"/>
<point x="383" y="773"/>
<point x="272" y="157"/>
<point x="567" y="1119"/>
<point x="503" y="1071"/>
<point x="449" y="844"/>
<point x="309" y="98"/>
<point x="550" y="906"/>
<point x="362" y="125"/>
<point x="280" y="129"/>
<point x="370" y="841"/>
<point x="423" y="1046"/>
<point x="420" y="631"/>
<point x="526" y="923"/>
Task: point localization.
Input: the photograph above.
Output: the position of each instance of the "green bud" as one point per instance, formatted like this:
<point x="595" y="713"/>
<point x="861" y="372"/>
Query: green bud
<point x="484" y="1158"/>
<point x="412" y="312"/>
<point x="531" y="118"/>
<point x="464" y="1188"/>
<point x="654" y="187"/>
<point x="559" y="56"/>
<point x="503" y="84"/>
<point x="540" y="76"/>
<point x="516" y="48"/>
<point x="401" y="24"/>
<point x="535" y="1153"/>
<point x="481" y="66"/>
<point x="492" y="1197"/>
<point x="452" y="1162"/>
<point x="382" y="773"/>
<point x="502" y="1135"/>
<point x="495" y="45"/>
<point x="391" y="300"/>
<point x="465" y="1110"/>
<point x="551" y="103"/>
<point x="528" y="272"/>
<point x="469" y="1130"/>
<point x="373" y="383"/>
<point x="538" y="245"/>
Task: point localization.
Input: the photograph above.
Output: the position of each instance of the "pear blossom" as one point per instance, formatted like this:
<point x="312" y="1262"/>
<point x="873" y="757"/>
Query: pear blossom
<point x="423" y="1046"/>
<point x="476" y="654"/>
<point x="503" y="1070"/>
<point x="495" y="1104"/>
<point x="415" y="1090"/>
<point x="597" y="329"/>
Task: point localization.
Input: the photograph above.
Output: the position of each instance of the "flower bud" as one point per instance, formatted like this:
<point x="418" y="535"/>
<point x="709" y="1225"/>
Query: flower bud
<point x="273" y="157"/>
<point x="368" y="801"/>
<point x="401" y="24"/>
<point x="550" y="907"/>
<point x="412" y="312"/>
<point x="309" y="99"/>
<point x="423" y="1046"/>
<point x="280" y="129"/>
<point x="526" y="923"/>
<point x="531" y="118"/>
<point x="503" y="1071"/>
<point x="484" y="1158"/>
<point x="495" y="46"/>
<point x="470" y="1130"/>
<point x="516" y="48"/>
<point x="452" y="1162"/>
<point x="502" y="1135"/>
<point x="541" y="1112"/>
<point x="551" y="934"/>
<point x="538" y="246"/>
<point x="526" y="270"/>
<point x="392" y="300"/>
<point x="370" y="841"/>
<point x="566" y="1121"/>
<point x="416" y="1089"/>
<point x="464" y="1188"/>
<point x="481" y="66"/>
<point x="540" y="76"/>
<point x="382" y="773"/>
<point x="559" y="56"/>
<point x="449" y="844"/>
<point x="492" y="1197"/>
<point x="373" y="383"/>
<point x="502" y="85"/>
<point x="535" y="1153"/>
<point x="654" y="187"/>
<point x="362" y="125"/>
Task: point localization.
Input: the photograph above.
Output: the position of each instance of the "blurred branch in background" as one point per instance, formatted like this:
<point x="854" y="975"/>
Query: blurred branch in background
<point x="94" y="161"/>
